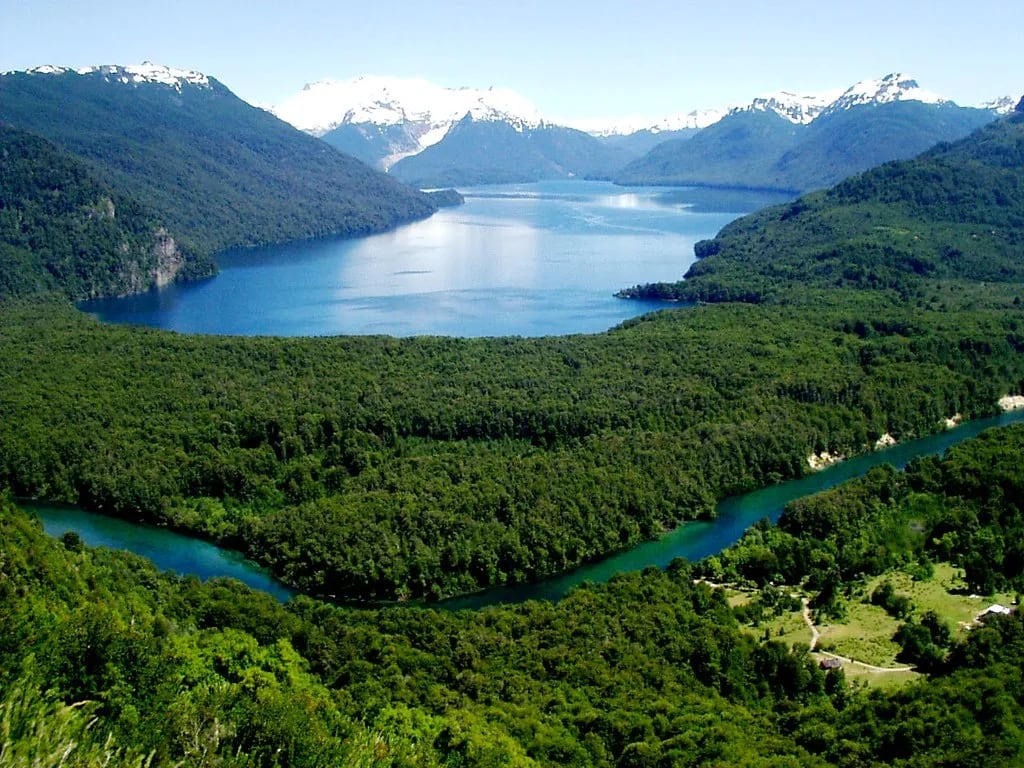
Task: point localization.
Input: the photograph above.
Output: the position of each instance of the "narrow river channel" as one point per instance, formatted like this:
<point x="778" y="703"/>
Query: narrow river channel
<point x="695" y="540"/>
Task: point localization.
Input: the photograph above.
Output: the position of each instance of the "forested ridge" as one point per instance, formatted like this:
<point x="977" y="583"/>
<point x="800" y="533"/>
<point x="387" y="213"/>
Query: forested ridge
<point x="956" y="212"/>
<point x="106" y="658"/>
<point x="61" y="229"/>
<point x="217" y="172"/>
<point x="764" y="150"/>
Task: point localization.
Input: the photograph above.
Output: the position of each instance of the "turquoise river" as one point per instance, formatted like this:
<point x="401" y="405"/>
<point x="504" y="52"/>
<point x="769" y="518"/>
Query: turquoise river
<point x="693" y="541"/>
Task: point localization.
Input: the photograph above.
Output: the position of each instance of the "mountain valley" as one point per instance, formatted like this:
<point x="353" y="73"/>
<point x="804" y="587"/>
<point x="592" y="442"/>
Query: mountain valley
<point x="377" y="475"/>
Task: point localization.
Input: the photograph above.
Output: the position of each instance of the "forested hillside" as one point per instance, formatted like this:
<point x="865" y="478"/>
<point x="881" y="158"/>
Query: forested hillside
<point x="495" y="152"/>
<point x="216" y="171"/>
<point x="908" y="228"/>
<point x="763" y="150"/>
<point x="62" y="230"/>
<point x="106" y="659"/>
<point x="377" y="468"/>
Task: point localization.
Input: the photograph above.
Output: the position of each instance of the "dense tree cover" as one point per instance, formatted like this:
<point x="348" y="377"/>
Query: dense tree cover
<point x="216" y="171"/>
<point x="650" y="669"/>
<point x="964" y="509"/>
<point x="61" y="229"/>
<point x="374" y="468"/>
<point x="105" y="661"/>
<point x="955" y="212"/>
<point x="765" y="150"/>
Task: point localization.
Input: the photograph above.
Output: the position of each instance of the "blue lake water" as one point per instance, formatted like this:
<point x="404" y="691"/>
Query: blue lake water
<point x="528" y="260"/>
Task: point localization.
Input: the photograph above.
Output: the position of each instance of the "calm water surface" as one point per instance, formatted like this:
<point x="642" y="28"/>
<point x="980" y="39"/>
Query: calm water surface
<point x="693" y="541"/>
<point x="527" y="260"/>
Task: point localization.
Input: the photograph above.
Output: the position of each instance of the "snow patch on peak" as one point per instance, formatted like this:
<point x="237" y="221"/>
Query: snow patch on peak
<point x="892" y="87"/>
<point x="146" y="72"/>
<point x="797" y="108"/>
<point x="1004" y="105"/>
<point x="324" y="105"/>
<point x="46" y="69"/>
<point x="694" y="120"/>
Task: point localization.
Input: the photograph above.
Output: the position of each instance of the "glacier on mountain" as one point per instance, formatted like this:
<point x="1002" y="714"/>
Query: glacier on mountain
<point x="327" y="104"/>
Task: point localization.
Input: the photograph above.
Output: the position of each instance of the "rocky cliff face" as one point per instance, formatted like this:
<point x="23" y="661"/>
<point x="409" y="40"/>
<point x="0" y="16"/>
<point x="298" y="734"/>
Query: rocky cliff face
<point x="168" y="259"/>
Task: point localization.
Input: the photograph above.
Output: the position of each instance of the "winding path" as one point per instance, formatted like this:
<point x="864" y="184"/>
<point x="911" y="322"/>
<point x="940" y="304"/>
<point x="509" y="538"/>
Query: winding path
<point x="816" y="635"/>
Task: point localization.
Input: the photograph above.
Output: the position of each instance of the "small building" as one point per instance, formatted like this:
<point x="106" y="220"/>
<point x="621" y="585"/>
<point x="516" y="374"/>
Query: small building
<point x="830" y="663"/>
<point x="994" y="610"/>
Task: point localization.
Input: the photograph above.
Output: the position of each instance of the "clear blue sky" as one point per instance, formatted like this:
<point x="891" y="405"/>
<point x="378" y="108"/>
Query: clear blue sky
<point x="571" y="59"/>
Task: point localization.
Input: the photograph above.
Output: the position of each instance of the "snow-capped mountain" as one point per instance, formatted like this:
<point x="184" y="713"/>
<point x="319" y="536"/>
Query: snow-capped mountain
<point x="384" y="119"/>
<point x="383" y="101"/>
<point x="1001" y="106"/>
<point x="800" y="109"/>
<point x="893" y="87"/>
<point x="146" y="72"/>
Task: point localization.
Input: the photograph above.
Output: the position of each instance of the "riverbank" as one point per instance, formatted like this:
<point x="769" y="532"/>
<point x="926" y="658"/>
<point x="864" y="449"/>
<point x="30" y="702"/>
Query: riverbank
<point x="692" y="541"/>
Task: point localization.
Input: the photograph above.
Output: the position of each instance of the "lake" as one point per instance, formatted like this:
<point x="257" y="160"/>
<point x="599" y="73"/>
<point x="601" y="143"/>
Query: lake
<point x="515" y="260"/>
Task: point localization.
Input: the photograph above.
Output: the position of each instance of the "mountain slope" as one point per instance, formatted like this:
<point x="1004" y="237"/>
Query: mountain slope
<point x="843" y="142"/>
<point x="382" y="119"/>
<point x="954" y="213"/>
<point x="497" y="152"/>
<point x="213" y="168"/>
<point x="835" y="135"/>
<point x="762" y="149"/>
<point x="739" y="150"/>
<point x="61" y="229"/>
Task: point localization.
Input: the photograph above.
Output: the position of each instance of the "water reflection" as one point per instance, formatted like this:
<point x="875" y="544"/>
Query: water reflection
<point x="530" y="260"/>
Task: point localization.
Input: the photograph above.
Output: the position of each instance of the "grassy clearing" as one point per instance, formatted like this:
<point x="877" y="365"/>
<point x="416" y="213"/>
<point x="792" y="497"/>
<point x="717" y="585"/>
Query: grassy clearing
<point x="871" y="679"/>
<point x="944" y="594"/>
<point x="866" y="632"/>
<point x="865" y="635"/>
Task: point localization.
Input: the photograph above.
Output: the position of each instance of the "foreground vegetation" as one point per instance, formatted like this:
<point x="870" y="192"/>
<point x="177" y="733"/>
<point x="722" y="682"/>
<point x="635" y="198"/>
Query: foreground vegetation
<point x="102" y="655"/>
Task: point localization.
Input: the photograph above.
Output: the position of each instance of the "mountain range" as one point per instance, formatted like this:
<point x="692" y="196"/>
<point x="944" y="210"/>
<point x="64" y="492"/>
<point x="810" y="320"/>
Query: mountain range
<point x="762" y="149"/>
<point x="381" y="120"/>
<point x="432" y="136"/>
